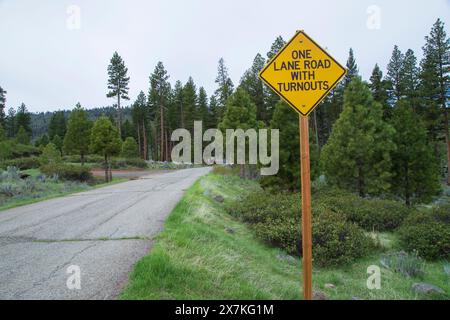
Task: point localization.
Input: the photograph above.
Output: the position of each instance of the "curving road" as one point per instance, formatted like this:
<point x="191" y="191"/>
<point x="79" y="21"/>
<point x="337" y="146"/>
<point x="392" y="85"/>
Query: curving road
<point x="103" y="232"/>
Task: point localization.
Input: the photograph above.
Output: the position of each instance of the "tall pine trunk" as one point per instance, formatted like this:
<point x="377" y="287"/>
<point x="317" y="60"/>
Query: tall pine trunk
<point x="144" y="135"/>
<point x="106" y="169"/>
<point x="141" y="153"/>
<point x="447" y="139"/>
<point x="119" y="110"/>
<point x="162" y="133"/>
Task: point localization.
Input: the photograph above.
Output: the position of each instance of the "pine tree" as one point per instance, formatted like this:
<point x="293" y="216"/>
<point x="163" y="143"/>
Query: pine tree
<point x="436" y="71"/>
<point x="255" y="88"/>
<point x="105" y="140"/>
<point x="2" y="133"/>
<point x="59" y="143"/>
<point x="159" y="99"/>
<point x="130" y="148"/>
<point x="393" y="75"/>
<point x="177" y="101"/>
<point x="23" y="119"/>
<point x="22" y="136"/>
<point x="271" y="97"/>
<point x="225" y="86"/>
<point x="77" y="138"/>
<point x="118" y="83"/>
<point x="379" y="89"/>
<point x="57" y="125"/>
<point x="10" y="125"/>
<point x="357" y="155"/>
<point x="190" y="104"/>
<point x="140" y="115"/>
<point x="213" y="121"/>
<point x="202" y="105"/>
<point x="415" y="170"/>
<point x="352" y="68"/>
<point x="240" y="114"/>
<point x="2" y="106"/>
<point x="409" y="77"/>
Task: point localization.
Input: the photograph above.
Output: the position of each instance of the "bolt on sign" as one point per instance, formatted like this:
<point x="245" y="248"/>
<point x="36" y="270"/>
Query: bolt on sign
<point x="302" y="73"/>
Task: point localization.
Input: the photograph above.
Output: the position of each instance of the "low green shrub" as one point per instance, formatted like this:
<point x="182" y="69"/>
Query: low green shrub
<point x="92" y="158"/>
<point x="127" y="163"/>
<point x="22" y="163"/>
<point x="370" y="214"/>
<point x="68" y="172"/>
<point x="428" y="233"/>
<point x="276" y="220"/>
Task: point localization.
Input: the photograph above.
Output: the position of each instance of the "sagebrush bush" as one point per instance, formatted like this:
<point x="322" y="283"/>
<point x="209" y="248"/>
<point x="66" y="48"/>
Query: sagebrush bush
<point x="370" y="214"/>
<point x="410" y="265"/>
<point x="428" y="233"/>
<point x="22" y="163"/>
<point x="68" y="172"/>
<point x="276" y="219"/>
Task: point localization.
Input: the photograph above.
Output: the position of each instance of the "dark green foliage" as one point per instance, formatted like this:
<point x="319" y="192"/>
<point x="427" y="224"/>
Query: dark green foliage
<point x="58" y="125"/>
<point x="130" y="148"/>
<point x="105" y="141"/>
<point x="270" y="96"/>
<point x="67" y="172"/>
<point x="202" y="105"/>
<point x="288" y="177"/>
<point x="415" y="170"/>
<point x="50" y="155"/>
<point x="370" y="214"/>
<point x="22" y="119"/>
<point x="379" y="88"/>
<point x="225" y="87"/>
<point x="77" y="138"/>
<point x="2" y="106"/>
<point x="240" y="114"/>
<point x="21" y="163"/>
<point x="2" y="133"/>
<point x="190" y="104"/>
<point x="159" y="102"/>
<point x="255" y="88"/>
<point x="118" y="82"/>
<point x="58" y="142"/>
<point x="393" y="75"/>
<point x="276" y="220"/>
<point x="352" y="69"/>
<point x="357" y="156"/>
<point x="22" y="136"/>
<point x="428" y="233"/>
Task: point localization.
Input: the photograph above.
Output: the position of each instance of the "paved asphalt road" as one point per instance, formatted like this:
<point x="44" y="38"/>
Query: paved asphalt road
<point x="103" y="232"/>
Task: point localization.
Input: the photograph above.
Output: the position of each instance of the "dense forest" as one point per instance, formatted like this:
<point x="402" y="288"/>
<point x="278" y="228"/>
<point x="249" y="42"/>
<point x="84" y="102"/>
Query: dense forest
<point x="388" y="135"/>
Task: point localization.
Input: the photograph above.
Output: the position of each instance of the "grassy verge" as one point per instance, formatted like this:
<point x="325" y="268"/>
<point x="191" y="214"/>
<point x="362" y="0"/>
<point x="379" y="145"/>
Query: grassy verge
<point x="204" y="253"/>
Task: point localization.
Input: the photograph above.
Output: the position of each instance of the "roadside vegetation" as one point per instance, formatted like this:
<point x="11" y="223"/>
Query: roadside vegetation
<point x="228" y="240"/>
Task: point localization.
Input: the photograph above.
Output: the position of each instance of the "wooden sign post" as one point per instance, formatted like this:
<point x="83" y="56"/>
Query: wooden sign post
<point x="306" y="207"/>
<point x="303" y="74"/>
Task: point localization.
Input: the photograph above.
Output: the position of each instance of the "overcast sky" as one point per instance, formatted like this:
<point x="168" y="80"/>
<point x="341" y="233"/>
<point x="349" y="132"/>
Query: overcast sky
<point x="49" y="61"/>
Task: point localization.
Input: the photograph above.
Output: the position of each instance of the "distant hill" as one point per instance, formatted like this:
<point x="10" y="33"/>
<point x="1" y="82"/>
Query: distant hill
<point x="41" y="120"/>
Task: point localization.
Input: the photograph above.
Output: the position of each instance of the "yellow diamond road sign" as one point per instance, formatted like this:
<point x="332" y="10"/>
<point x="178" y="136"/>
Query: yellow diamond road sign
<point x="302" y="73"/>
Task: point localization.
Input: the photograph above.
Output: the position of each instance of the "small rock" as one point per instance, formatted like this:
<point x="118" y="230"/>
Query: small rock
<point x="219" y="199"/>
<point x="230" y="230"/>
<point x="357" y="298"/>
<point x="426" y="288"/>
<point x="330" y="286"/>
<point x="319" y="295"/>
